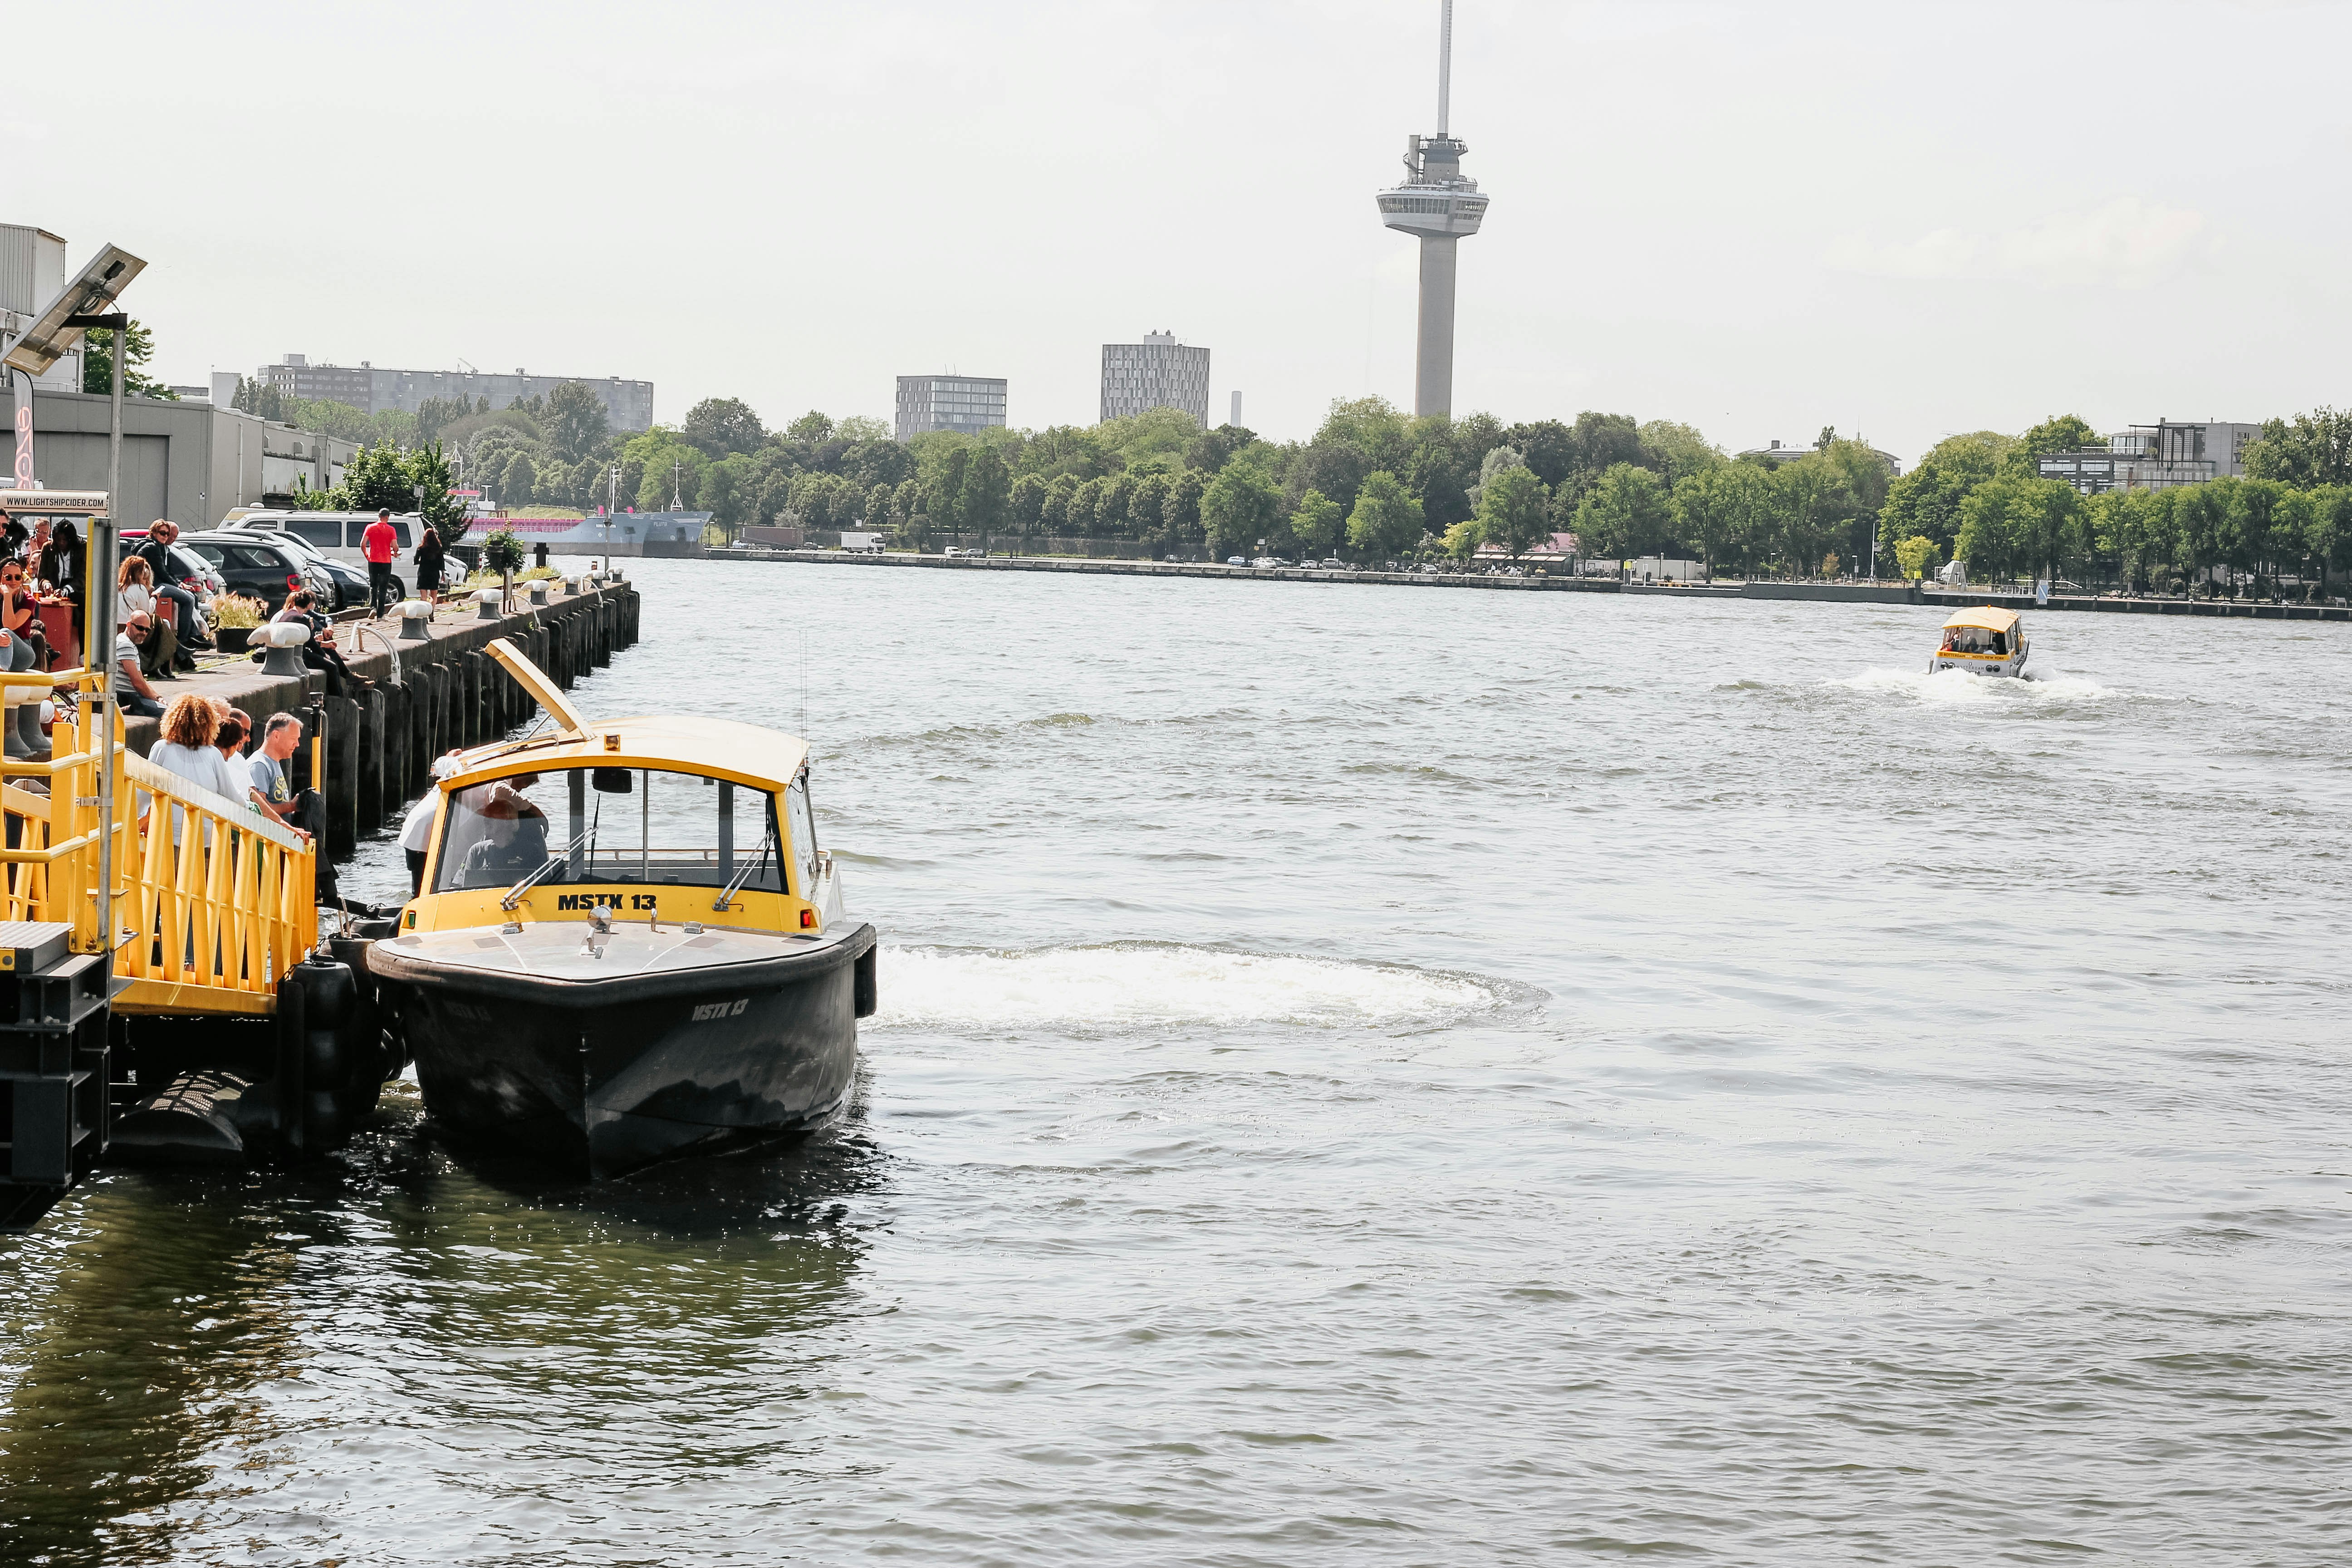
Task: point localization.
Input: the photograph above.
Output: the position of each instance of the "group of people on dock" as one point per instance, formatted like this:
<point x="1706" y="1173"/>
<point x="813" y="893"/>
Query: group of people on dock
<point x="213" y="745"/>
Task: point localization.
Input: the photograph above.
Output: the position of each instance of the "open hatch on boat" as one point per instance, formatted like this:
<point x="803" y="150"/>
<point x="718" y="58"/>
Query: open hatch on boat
<point x="628" y="944"/>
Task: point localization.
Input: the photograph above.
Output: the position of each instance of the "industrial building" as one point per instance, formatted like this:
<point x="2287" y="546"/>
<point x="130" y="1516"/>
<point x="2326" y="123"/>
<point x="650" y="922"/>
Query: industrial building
<point x="32" y="270"/>
<point x="628" y="404"/>
<point x="187" y="461"/>
<point x="2154" y="456"/>
<point x="1158" y="372"/>
<point x="965" y="403"/>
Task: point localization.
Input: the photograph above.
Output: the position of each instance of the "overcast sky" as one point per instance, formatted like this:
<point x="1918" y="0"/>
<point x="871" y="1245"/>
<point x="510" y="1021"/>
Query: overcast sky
<point x="1900" y="220"/>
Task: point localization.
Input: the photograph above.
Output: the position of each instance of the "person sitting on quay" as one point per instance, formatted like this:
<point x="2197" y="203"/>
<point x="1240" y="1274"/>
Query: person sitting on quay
<point x="57" y="568"/>
<point x="20" y="613"/>
<point x="321" y="652"/>
<point x="131" y="688"/>
<point x="20" y="707"/>
<point x="156" y="551"/>
<point x="134" y="595"/>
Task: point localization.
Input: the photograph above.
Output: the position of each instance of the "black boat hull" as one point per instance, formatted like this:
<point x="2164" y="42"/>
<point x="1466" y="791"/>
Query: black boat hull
<point x="605" y="1075"/>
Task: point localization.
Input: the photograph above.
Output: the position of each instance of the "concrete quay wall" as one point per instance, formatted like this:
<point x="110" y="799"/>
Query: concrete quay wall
<point x="380" y="743"/>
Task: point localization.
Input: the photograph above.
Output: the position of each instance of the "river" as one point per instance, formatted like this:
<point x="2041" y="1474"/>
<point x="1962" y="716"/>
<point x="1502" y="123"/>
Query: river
<point x="1365" y="1075"/>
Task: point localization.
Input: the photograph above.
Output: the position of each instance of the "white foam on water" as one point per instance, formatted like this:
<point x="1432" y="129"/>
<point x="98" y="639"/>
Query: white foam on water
<point x="1960" y="688"/>
<point x="1131" y="986"/>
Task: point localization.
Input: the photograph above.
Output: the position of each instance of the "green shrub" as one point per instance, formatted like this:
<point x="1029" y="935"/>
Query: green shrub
<point x="235" y="610"/>
<point x="502" y="552"/>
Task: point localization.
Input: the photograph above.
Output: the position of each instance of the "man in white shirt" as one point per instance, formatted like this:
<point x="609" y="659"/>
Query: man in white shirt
<point x="303" y="810"/>
<point x="417" y="828"/>
<point x="131" y="688"/>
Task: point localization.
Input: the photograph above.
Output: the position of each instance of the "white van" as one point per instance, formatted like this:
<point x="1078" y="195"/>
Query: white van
<point x="333" y="535"/>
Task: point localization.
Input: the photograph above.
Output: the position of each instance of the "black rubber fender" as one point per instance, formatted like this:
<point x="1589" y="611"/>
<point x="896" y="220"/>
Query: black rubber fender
<point x="867" y="986"/>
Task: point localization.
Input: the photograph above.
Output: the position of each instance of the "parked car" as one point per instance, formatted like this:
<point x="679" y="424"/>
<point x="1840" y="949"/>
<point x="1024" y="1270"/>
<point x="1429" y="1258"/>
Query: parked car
<point x="195" y="574"/>
<point x="1236" y="561"/>
<point x="260" y="568"/>
<point x="331" y="535"/>
<point x="350" y="582"/>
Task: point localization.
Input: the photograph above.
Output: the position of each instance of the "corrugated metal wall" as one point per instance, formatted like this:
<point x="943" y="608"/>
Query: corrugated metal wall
<point x="76" y="460"/>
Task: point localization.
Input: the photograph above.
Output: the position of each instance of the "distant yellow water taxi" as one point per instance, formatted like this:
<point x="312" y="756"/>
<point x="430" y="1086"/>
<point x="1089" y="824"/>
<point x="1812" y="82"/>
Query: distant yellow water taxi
<point x="1986" y="641"/>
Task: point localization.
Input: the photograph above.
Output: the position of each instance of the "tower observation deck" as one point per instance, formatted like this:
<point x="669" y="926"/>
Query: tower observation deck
<point x="1438" y="203"/>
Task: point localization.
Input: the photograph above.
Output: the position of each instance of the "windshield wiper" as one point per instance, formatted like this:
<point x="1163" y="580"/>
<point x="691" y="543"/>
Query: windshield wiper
<point x="515" y="893"/>
<point x="727" y="895"/>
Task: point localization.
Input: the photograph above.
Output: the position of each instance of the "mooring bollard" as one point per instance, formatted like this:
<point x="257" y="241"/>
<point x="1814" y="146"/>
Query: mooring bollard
<point x="488" y="599"/>
<point x="415" y="621"/>
<point x="285" y="640"/>
<point x="539" y="590"/>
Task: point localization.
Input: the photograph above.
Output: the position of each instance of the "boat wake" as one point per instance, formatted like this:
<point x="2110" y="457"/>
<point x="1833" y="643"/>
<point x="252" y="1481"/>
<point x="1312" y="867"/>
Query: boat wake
<point x="1119" y="987"/>
<point x="1960" y="688"/>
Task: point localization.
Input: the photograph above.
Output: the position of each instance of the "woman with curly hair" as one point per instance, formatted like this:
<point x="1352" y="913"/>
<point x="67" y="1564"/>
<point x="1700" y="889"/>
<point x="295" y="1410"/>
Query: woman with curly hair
<point x="187" y="747"/>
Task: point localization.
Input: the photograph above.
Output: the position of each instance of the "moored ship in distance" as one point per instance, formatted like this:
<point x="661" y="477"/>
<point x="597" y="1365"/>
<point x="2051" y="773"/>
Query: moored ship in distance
<point x="603" y="994"/>
<point x="1985" y="641"/>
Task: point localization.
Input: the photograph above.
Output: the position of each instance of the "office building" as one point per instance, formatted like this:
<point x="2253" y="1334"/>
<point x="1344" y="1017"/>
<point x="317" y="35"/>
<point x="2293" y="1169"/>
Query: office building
<point x="1158" y="372"/>
<point x="628" y="404"/>
<point x="1443" y="208"/>
<point x="965" y="403"/>
<point x="2154" y="456"/>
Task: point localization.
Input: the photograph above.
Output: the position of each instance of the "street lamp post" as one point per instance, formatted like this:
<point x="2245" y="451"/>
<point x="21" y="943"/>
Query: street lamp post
<point x="79" y="306"/>
<point x="98" y="615"/>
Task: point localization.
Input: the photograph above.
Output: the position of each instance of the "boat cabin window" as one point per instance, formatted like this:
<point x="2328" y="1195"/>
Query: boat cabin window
<point x="629" y="826"/>
<point x="796" y="814"/>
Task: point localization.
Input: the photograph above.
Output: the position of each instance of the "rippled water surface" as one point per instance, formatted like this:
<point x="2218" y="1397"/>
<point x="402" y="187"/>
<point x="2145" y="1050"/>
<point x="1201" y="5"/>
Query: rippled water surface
<point x="1366" y="1076"/>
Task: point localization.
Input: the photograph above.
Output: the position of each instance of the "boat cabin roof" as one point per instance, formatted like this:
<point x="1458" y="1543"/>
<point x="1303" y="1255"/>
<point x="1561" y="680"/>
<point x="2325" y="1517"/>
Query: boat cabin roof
<point x="1988" y="617"/>
<point x="718" y="748"/>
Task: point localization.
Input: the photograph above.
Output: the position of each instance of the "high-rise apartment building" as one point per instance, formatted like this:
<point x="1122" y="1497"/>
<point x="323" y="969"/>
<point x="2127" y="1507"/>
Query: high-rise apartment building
<point x="1158" y="372"/>
<point x="629" y="404"/>
<point x="965" y="403"/>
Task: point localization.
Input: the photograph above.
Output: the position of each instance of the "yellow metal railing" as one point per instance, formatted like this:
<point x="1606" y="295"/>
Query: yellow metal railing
<point x="213" y="902"/>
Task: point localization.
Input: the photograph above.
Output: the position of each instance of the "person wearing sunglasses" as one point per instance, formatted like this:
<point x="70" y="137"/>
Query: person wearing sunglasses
<point x="20" y="612"/>
<point x="134" y="595"/>
<point x="20" y="713"/>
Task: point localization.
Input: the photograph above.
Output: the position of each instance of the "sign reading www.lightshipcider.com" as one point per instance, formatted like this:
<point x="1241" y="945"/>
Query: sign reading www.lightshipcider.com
<point x="53" y="503"/>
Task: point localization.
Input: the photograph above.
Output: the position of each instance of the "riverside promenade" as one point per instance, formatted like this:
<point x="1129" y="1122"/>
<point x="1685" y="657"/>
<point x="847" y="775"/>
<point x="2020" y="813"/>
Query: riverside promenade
<point x="376" y="748"/>
<point x="1832" y="592"/>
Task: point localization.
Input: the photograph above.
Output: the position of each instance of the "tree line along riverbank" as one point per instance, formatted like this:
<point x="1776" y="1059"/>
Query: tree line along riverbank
<point x="1832" y="592"/>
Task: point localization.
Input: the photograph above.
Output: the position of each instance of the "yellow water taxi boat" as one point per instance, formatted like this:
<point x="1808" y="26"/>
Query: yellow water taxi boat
<point x="1986" y="641"/>
<point x="608" y="994"/>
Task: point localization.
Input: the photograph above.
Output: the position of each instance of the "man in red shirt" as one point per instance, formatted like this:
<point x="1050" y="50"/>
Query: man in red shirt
<point x="383" y="544"/>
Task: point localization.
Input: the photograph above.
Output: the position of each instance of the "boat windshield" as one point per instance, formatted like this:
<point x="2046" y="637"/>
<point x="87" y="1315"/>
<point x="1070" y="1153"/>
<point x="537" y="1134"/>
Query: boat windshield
<point x="631" y="826"/>
<point x="1974" y="639"/>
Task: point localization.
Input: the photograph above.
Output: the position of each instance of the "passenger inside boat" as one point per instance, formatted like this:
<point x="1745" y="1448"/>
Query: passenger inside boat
<point x="630" y="827"/>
